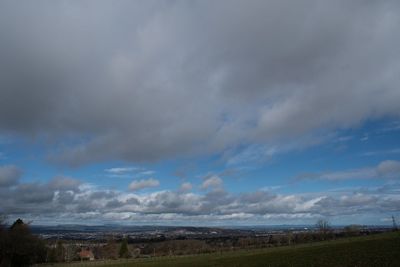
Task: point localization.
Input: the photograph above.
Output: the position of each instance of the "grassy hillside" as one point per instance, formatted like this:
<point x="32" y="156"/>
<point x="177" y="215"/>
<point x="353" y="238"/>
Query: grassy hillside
<point x="377" y="250"/>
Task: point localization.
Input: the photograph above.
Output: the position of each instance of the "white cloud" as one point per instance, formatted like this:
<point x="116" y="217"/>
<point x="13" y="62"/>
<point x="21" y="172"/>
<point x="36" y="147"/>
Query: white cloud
<point x="253" y="154"/>
<point x="121" y="170"/>
<point x="148" y="172"/>
<point x="389" y="168"/>
<point x="143" y="183"/>
<point x="185" y="187"/>
<point x="213" y="182"/>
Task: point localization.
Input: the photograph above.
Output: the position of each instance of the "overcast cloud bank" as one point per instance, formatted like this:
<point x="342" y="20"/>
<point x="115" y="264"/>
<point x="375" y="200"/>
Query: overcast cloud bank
<point x="149" y="80"/>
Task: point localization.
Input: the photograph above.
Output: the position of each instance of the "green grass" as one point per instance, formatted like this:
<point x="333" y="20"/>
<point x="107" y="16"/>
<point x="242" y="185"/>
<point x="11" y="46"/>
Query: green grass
<point x="376" y="250"/>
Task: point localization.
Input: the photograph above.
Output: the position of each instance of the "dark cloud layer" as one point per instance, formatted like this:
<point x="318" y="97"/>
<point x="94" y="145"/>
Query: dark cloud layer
<point x="148" y="80"/>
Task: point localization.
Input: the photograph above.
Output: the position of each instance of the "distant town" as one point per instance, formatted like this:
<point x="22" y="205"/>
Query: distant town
<point x="137" y="234"/>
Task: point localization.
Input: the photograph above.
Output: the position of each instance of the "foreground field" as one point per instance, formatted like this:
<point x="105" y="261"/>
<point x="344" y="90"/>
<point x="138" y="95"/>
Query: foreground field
<point x="377" y="250"/>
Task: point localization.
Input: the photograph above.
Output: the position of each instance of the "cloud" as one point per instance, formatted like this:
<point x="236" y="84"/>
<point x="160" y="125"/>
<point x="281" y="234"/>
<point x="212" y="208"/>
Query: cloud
<point x="127" y="172"/>
<point x="350" y="204"/>
<point x="121" y="170"/>
<point x="40" y="198"/>
<point x="392" y="126"/>
<point x="34" y="193"/>
<point x="44" y="202"/>
<point x="212" y="182"/>
<point x="148" y="172"/>
<point x="148" y="83"/>
<point x="143" y="183"/>
<point x="9" y="175"/>
<point x="382" y="152"/>
<point x="252" y="154"/>
<point x="185" y="187"/>
<point x="387" y="169"/>
<point x="64" y="183"/>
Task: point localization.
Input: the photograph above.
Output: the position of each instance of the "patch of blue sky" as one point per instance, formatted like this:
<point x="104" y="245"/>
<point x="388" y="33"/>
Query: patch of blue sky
<point x="347" y="149"/>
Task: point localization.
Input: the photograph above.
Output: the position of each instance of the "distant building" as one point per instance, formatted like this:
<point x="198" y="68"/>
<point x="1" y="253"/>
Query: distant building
<point x="86" y="254"/>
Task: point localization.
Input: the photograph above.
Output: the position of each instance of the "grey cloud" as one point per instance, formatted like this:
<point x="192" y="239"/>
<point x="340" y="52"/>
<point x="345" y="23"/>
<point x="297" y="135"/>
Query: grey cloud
<point x="33" y="193"/>
<point x="133" y="201"/>
<point x="114" y="204"/>
<point x="65" y="197"/>
<point x="391" y="204"/>
<point x="170" y="202"/>
<point x="40" y="198"/>
<point x="143" y="81"/>
<point x="9" y="175"/>
<point x="143" y="183"/>
<point x="86" y="206"/>
<point x="102" y="195"/>
<point x="350" y="204"/>
<point x="64" y="183"/>
<point x="256" y="197"/>
<point x="207" y="203"/>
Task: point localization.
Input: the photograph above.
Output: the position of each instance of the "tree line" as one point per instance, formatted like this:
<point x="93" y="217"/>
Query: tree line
<point x="18" y="246"/>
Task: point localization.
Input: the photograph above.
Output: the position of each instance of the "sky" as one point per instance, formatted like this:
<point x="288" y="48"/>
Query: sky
<point x="200" y="112"/>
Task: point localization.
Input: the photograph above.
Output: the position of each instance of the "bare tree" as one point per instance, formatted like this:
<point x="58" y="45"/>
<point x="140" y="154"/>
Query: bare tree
<point x="3" y="236"/>
<point x="395" y="228"/>
<point x="323" y="226"/>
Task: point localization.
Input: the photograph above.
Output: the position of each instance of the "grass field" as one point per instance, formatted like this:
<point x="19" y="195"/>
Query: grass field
<point x="375" y="250"/>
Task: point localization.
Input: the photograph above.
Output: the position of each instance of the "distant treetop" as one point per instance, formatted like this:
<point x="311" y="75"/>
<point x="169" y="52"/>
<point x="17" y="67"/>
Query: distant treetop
<point x="18" y="222"/>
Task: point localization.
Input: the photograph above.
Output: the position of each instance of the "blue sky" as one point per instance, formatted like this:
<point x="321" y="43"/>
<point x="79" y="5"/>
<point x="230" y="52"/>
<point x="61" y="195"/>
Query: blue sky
<point x="200" y="113"/>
